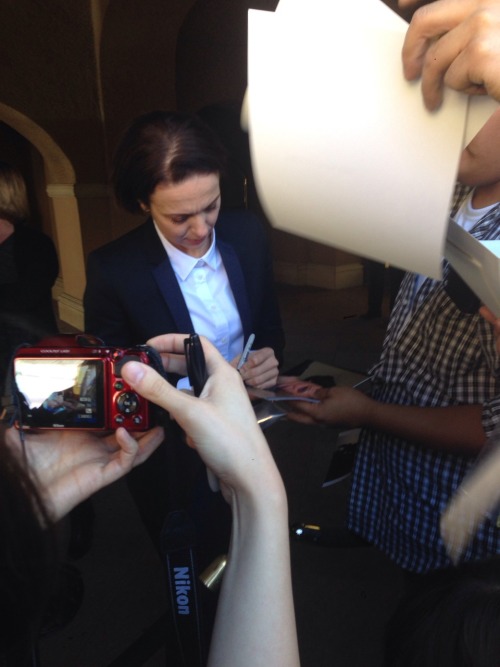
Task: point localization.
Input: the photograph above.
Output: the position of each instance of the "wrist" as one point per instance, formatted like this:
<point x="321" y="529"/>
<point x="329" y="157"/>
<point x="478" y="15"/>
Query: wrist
<point x="261" y="499"/>
<point x="369" y="413"/>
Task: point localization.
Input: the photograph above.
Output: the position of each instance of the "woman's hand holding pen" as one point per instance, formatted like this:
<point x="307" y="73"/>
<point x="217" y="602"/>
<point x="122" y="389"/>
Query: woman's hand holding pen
<point x="260" y="370"/>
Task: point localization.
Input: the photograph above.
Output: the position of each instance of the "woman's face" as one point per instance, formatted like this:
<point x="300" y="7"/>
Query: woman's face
<point x="186" y="212"/>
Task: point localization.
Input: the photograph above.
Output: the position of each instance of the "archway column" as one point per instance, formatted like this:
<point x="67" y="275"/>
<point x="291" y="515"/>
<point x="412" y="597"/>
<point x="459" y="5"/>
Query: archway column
<point x="69" y="294"/>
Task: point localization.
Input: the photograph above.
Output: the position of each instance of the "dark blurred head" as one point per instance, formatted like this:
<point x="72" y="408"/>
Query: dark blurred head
<point x="163" y="148"/>
<point x="14" y="205"/>
<point x="452" y="620"/>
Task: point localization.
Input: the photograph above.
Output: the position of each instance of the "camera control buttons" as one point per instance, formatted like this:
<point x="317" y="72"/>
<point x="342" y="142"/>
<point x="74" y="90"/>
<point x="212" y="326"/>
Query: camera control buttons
<point x="127" y="403"/>
<point x="118" y="385"/>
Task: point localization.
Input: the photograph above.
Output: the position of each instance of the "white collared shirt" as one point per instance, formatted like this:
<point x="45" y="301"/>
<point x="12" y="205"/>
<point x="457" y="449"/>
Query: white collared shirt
<point x="467" y="217"/>
<point x="205" y="287"/>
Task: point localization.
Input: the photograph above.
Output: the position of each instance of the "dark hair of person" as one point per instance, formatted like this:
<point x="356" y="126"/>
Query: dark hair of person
<point x="163" y="147"/>
<point x="452" y="620"/>
<point x="14" y="205"/>
<point x="27" y="560"/>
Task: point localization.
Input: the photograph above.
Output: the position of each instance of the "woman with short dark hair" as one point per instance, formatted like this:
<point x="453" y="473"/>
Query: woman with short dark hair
<point x="189" y="267"/>
<point x="163" y="147"/>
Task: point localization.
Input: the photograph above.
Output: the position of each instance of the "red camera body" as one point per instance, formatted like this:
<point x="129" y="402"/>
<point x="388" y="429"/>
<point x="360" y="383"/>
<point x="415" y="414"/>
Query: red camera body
<point x="75" y="382"/>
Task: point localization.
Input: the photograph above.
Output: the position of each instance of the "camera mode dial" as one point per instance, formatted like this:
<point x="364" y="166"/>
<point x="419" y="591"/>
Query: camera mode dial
<point x="127" y="403"/>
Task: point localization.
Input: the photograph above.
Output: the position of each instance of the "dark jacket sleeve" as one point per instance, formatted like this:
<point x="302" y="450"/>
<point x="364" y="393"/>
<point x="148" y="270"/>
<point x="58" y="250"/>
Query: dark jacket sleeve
<point x="109" y="303"/>
<point x="247" y="235"/>
<point x="122" y="301"/>
<point x="38" y="268"/>
<point x="26" y="307"/>
<point x="103" y="314"/>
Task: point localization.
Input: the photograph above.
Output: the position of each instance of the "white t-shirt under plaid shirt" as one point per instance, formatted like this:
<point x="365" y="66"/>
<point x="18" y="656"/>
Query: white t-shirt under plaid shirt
<point x="433" y="355"/>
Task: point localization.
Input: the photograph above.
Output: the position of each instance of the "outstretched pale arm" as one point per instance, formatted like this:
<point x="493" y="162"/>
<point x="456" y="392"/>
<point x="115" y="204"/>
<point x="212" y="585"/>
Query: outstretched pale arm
<point x="255" y="623"/>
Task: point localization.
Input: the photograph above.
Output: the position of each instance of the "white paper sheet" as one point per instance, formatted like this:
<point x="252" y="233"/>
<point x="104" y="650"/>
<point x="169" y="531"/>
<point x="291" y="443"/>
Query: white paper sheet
<point x="343" y="150"/>
<point x="477" y="262"/>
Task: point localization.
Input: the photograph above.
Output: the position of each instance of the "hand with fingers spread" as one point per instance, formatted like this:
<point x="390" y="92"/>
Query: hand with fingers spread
<point x="454" y="43"/>
<point x="69" y="466"/>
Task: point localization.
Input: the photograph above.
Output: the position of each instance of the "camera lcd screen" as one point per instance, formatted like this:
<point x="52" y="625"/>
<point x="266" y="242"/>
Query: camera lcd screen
<point x="61" y="392"/>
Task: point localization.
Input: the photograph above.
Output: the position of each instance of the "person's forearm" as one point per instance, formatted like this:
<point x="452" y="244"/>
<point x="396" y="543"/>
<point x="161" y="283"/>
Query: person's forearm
<point x="455" y="428"/>
<point x="255" y="622"/>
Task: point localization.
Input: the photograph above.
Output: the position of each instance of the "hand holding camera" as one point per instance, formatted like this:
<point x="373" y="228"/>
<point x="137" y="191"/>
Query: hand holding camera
<point x="68" y="466"/>
<point x="76" y="382"/>
<point x="58" y="376"/>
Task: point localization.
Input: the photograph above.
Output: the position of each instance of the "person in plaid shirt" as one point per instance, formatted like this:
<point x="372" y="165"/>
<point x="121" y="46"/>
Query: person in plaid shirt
<point x="435" y="398"/>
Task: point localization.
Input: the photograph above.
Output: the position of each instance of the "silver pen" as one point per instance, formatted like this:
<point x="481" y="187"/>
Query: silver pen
<point x="246" y="351"/>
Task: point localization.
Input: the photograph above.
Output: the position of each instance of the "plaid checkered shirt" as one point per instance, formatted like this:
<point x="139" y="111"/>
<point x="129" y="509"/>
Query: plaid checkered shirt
<point x="433" y="355"/>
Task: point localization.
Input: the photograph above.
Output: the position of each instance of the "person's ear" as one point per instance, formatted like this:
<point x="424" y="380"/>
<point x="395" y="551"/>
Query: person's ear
<point x="143" y="206"/>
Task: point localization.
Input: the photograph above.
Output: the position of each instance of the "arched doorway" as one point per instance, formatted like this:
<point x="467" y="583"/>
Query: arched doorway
<point x="59" y="178"/>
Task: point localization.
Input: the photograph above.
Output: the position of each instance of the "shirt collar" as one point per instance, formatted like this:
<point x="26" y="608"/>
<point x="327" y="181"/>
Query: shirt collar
<point x="182" y="263"/>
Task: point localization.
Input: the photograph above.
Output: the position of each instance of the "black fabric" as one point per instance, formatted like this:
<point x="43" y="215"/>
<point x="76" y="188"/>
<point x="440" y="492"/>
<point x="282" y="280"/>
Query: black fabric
<point x="26" y="309"/>
<point x="460" y="293"/>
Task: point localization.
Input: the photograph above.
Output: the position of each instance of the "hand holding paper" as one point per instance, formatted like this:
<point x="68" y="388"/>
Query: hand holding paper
<point x="454" y="44"/>
<point x="343" y="150"/>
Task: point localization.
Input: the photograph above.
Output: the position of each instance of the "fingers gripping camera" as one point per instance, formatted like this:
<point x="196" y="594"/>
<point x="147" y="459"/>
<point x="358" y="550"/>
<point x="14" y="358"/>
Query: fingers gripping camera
<point x="75" y="382"/>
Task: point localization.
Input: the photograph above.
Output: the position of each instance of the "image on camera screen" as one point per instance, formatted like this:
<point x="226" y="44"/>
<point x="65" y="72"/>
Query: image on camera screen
<point x="61" y="392"/>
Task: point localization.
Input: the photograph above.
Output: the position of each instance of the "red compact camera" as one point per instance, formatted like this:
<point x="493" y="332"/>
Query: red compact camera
<point x="75" y="382"/>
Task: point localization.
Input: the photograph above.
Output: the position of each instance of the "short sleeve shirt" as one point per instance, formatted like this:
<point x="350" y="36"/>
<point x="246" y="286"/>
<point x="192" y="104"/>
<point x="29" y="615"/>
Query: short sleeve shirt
<point x="433" y="355"/>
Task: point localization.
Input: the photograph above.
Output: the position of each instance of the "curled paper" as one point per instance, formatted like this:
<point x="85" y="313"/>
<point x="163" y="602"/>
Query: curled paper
<point x="475" y="498"/>
<point x="343" y="150"/>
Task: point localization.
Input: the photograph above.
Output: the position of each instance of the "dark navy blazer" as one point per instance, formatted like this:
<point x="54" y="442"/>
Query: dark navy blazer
<point x="132" y="293"/>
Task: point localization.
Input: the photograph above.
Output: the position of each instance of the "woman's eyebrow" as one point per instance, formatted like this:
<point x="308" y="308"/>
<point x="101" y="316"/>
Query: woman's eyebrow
<point x="212" y="202"/>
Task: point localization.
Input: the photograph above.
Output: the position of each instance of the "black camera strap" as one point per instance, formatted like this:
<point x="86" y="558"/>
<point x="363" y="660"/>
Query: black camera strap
<point x="191" y="603"/>
<point x="177" y="544"/>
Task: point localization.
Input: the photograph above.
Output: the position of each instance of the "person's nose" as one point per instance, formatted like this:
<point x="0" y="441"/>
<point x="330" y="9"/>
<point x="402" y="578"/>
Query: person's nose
<point x="199" y="226"/>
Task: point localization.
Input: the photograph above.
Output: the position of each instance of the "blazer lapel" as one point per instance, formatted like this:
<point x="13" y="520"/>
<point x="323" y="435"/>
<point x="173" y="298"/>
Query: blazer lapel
<point x="171" y="292"/>
<point x="238" y="285"/>
<point x="167" y="282"/>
